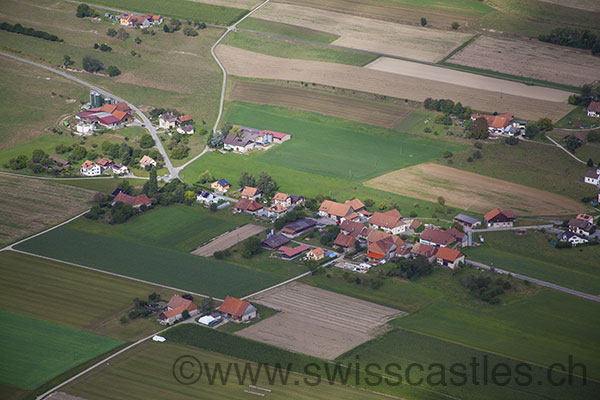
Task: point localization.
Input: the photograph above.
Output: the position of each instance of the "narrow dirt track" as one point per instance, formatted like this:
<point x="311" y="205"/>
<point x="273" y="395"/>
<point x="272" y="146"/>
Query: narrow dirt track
<point x="228" y="239"/>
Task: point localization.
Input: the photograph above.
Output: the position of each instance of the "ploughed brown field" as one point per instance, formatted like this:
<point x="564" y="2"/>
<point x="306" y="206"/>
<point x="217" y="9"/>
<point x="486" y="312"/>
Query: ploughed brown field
<point x="318" y="322"/>
<point x="357" y="32"/>
<point x="29" y="205"/>
<point x="246" y="63"/>
<point x="370" y="112"/>
<point x="531" y="59"/>
<point x="471" y="191"/>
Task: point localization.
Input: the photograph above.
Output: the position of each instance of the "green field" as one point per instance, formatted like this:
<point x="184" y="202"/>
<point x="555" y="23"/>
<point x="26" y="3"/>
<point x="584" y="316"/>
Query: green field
<point x="101" y="185"/>
<point x="289" y="49"/>
<point x="73" y="297"/>
<point x="146" y="372"/>
<point x="468" y="7"/>
<point x="577" y="117"/>
<point x="35" y="351"/>
<point x="533" y="255"/>
<point x="183" y="9"/>
<point x="281" y="29"/>
<point x="146" y="248"/>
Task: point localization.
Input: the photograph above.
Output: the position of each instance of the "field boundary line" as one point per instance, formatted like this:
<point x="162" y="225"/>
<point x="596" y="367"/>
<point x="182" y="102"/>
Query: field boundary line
<point x="563" y="149"/>
<point x="114" y="274"/>
<point x="277" y="285"/>
<point x="75" y="178"/>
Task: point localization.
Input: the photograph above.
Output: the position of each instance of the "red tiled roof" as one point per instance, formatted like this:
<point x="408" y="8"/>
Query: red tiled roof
<point x="375" y="256"/>
<point x="344" y="240"/>
<point x="317" y="251"/>
<point x="496" y="211"/>
<point x="104" y="162"/>
<point x="247" y="205"/>
<point x="443" y="238"/>
<point x="422" y="249"/>
<point x="356" y="204"/>
<point x="335" y="208"/>
<point x="277" y="135"/>
<point x="138" y="200"/>
<point x="499" y="121"/>
<point x="293" y="251"/>
<point x="233" y="306"/>
<point x="184" y="118"/>
<point x="594" y="106"/>
<point x="250" y="191"/>
<point x="353" y="228"/>
<point x="447" y="254"/>
<point x="389" y="220"/>
<point x="281" y="196"/>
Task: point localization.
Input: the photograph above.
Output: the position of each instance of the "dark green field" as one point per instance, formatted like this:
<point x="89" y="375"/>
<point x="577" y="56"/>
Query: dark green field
<point x="35" y="351"/>
<point x="154" y="247"/>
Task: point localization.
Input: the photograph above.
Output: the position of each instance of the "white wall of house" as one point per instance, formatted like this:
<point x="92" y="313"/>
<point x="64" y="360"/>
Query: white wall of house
<point x="94" y="171"/>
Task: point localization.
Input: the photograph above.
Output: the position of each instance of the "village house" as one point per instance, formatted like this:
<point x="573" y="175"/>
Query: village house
<point x="222" y="185"/>
<point x="389" y="221"/>
<point x="300" y="226"/>
<point x="592" y="177"/>
<point x="344" y="241"/>
<point x="437" y="238"/>
<point x="167" y="121"/>
<point x="275" y="211"/>
<point x="593" y="109"/>
<point x="240" y="144"/>
<point x="108" y="115"/>
<point x="449" y="258"/>
<point x="352" y="228"/>
<point x="238" y="310"/>
<point x="205" y="197"/>
<point x="287" y="200"/>
<point x="334" y="210"/>
<point x="315" y="254"/>
<point x="383" y="248"/>
<point x="134" y="201"/>
<point x="357" y="206"/>
<point x="147" y="161"/>
<point x="572" y="238"/>
<point x="186" y="129"/>
<point x="466" y="221"/>
<point x="60" y="161"/>
<point x="499" y="218"/>
<point x="175" y="309"/>
<point x="250" y="193"/>
<point x="89" y="168"/>
<point x="581" y="227"/>
<point x="120" y="169"/>
<point x="424" y="250"/>
<point x="247" y="206"/>
<point x="105" y="163"/>
<point x="292" y="252"/>
<point x="498" y="123"/>
<point x="139" y="21"/>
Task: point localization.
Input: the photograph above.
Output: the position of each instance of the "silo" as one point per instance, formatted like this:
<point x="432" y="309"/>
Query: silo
<point x="95" y="99"/>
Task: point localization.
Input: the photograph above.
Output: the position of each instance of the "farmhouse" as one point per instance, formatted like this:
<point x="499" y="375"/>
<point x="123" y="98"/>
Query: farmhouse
<point x="276" y="211"/>
<point x="352" y="228"/>
<point x="292" y="252"/>
<point x="581" y="227"/>
<point x="356" y="205"/>
<point x="147" y="161"/>
<point x="175" y="309"/>
<point x="287" y="200"/>
<point x="496" y="123"/>
<point x="592" y="177"/>
<point x="134" y="201"/>
<point x="139" y="21"/>
<point x="89" y="168"/>
<point x="593" y="109"/>
<point x="105" y="163"/>
<point x="450" y="258"/>
<point x="334" y="210"/>
<point x="238" y="310"/>
<point x="222" y="185"/>
<point x="424" y="250"/>
<point x="383" y="248"/>
<point x="315" y="254"/>
<point x="499" y="218"/>
<point x="298" y="227"/>
<point x="572" y="238"/>
<point x="250" y="193"/>
<point x="389" y="221"/>
<point x="344" y="241"/>
<point x="239" y="143"/>
<point x="275" y="241"/>
<point x="108" y="115"/>
<point x="438" y="238"/>
<point x="247" y="206"/>
<point x="467" y="221"/>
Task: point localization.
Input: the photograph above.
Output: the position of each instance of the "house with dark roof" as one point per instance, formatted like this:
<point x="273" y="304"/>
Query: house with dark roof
<point x="238" y="310"/>
<point x="581" y="227"/>
<point x="241" y="143"/>
<point x="344" y="241"/>
<point x="352" y="228"/>
<point x="467" y="221"/>
<point x="275" y="241"/>
<point x="499" y="218"/>
<point x="222" y="185"/>
<point x="572" y="238"/>
<point x="424" y="250"/>
<point x="206" y="197"/>
<point x="300" y="226"/>
<point x="592" y="177"/>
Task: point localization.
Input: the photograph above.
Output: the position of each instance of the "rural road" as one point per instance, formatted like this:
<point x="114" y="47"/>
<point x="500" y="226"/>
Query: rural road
<point x="148" y="125"/>
<point x="514" y="228"/>
<point x="563" y="149"/>
<point x="537" y="281"/>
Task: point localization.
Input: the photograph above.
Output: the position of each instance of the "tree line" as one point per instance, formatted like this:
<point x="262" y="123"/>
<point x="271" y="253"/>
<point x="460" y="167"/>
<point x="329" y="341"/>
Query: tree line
<point x="573" y="37"/>
<point x="21" y="30"/>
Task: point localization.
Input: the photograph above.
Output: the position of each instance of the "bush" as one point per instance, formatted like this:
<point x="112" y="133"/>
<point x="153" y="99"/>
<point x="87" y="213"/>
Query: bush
<point x="21" y="30"/>
<point x="219" y="255"/>
<point x="187" y="31"/>
<point x="83" y="10"/>
<point x="573" y="37"/>
<point x="113" y="71"/>
<point x="423" y="21"/>
<point x="251" y="247"/>
<point x="92" y="64"/>
<point x="455" y="25"/>
<point x="448" y="154"/>
<point x="105" y="47"/>
<point x="146" y="141"/>
<point x="111" y="32"/>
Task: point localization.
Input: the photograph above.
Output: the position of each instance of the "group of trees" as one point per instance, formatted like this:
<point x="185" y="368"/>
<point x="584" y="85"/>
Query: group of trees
<point x="120" y="34"/>
<point x="409" y="269"/>
<point x="448" y="107"/>
<point x="93" y="65"/>
<point x="485" y="288"/>
<point x="584" y="98"/>
<point x="373" y="282"/>
<point x="251" y="246"/>
<point x="83" y="10"/>
<point x="573" y="37"/>
<point x="21" y="30"/>
<point x="37" y="163"/>
<point x="102" y="47"/>
<point x="178" y="147"/>
<point x="329" y="235"/>
<point x="265" y="183"/>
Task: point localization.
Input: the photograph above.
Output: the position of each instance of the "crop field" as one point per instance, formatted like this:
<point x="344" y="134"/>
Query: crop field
<point x="146" y="372"/>
<point x="368" y="34"/>
<point x="386" y="115"/>
<point x="281" y="29"/>
<point x="533" y="255"/>
<point x="184" y="9"/>
<point x="537" y="60"/>
<point x="471" y="191"/>
<point x="143" y="251"/>
<point x="245" y="4"/>
<point x="289" y="49"/>
<point x="586" y="5"/>
<point x="228" y="240"/>
<point x="24" y="120"/>
<point x="245" y="63"/>
<point x="318" y="322"/>
<point x="169" y="72"/>
<point x="30" y="205"/>
<point x="99" y="185"/>
<point x="35" y="351"/>
<point x="535" y="165"/>
<point x="101" y="299"/>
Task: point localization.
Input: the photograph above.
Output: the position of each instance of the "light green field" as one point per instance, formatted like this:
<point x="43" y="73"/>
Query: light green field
<point x="101" y="185"/>
<point x="146" y="248"/>
<point x="146" y="372"/>
<point x="35" y="351"/>
<point x="533" y="255"/>
<point x="281" y="29"/>
<point x="74" y="297"/>
<point x="289" y="49"/>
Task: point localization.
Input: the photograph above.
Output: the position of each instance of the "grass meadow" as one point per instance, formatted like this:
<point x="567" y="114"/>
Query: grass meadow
<point x="145" y="248"/>
<point x="35" y="351"/>
<point x="288" y="49"/>
<point x="74" y="297"/>
<point x="533" y="255"/>
<point x="293" y="31"/>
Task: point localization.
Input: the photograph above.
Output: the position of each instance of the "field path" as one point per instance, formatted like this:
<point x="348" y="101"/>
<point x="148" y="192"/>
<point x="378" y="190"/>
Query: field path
<point x="228" y="239"/>
<point x="563" y="149"/>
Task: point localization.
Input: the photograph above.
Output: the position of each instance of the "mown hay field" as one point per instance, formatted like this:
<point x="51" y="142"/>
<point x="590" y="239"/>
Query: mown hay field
<point x="471" y="191"/>
<point x="387" y="115"/>
<point x="245" y="63"/>
<point x="530" y="59"/>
